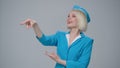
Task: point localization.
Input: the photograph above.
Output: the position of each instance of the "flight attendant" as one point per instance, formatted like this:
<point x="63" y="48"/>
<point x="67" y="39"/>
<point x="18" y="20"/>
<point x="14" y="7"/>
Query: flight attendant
<point x="74" y="47"/>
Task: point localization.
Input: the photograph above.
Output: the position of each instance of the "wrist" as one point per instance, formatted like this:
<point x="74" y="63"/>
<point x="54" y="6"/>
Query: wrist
<point x="34" y="24"/>
<point x="58" y="61"/>
<point x="63" y="62"/>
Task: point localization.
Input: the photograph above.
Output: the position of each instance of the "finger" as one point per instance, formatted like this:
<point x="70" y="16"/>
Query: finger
<point x="53" y="56"/>
<point x="27" y="26"/>
<point x="24" y="22"/>
<point x="50" y="55"/>
<point x="46" y="53"/>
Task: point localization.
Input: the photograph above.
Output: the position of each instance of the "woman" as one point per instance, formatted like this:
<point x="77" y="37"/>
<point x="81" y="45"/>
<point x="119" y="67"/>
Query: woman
<point x="73" y="48"/>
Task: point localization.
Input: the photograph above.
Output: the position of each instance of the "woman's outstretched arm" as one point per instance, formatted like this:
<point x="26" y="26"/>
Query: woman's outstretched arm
<point x="37" y="30"/>
<point x="45" y="40"/>
<point x="32" y="24"/>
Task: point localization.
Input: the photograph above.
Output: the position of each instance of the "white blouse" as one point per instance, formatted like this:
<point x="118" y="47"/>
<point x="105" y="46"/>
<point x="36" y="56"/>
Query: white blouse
<point x="68" y="36"/>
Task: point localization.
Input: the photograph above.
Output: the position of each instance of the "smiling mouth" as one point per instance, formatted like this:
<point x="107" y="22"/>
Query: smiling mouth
<point x="69" y="22"/>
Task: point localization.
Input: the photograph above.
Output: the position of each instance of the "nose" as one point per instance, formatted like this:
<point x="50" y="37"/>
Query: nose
<point x="69" y="17"/>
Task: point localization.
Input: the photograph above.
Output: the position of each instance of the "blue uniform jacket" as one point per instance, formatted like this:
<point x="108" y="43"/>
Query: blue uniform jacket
<point x="76" y="56"/>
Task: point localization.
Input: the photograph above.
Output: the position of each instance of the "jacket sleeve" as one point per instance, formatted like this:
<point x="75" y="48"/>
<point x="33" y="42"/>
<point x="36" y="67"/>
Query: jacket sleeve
<point x="83" y="59"/>
<point x="50" y="40"/>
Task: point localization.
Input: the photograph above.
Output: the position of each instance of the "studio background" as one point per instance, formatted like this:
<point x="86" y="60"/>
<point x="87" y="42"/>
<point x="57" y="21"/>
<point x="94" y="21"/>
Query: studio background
<point x="19" y="47"/>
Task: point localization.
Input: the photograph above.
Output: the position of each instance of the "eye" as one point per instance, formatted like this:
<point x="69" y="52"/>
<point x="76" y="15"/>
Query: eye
<point x="73" y="16"/>
<point x="68" y="15"/>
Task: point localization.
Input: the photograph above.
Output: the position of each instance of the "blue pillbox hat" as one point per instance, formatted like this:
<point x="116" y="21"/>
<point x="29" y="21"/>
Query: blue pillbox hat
<point x="76" y="7"/>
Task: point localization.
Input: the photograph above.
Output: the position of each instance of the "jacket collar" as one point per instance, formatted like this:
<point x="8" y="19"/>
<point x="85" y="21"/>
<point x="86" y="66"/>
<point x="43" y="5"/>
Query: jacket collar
<point x="81" y="33"/>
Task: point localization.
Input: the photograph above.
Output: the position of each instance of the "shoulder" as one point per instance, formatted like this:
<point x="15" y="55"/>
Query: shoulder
<point x="86" y="36"/>
<point x="87" y="39"/>
<point x="60" y="33"/>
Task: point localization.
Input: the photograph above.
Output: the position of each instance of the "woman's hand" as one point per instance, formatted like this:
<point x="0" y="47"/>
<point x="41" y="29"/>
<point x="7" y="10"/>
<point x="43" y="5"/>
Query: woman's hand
<point x="53" y="56"/>
<point x="56" y="58"/>
<point x="29" y="23"/>
<point x="32" y="23"/>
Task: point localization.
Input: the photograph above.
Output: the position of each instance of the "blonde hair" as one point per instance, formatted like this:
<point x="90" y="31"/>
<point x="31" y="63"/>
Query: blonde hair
<point x="82" y="20"/>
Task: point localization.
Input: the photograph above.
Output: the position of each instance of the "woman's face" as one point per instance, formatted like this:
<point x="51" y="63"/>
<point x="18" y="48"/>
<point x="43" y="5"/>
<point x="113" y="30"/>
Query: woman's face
<point x="72" y="21"/>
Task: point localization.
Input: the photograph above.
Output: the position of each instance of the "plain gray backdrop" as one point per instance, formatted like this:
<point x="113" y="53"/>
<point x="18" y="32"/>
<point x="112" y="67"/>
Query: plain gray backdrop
<point x="19" y="47"/>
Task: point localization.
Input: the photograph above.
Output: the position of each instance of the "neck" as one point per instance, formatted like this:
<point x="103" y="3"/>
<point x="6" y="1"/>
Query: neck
<point x="74" y="32"/>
